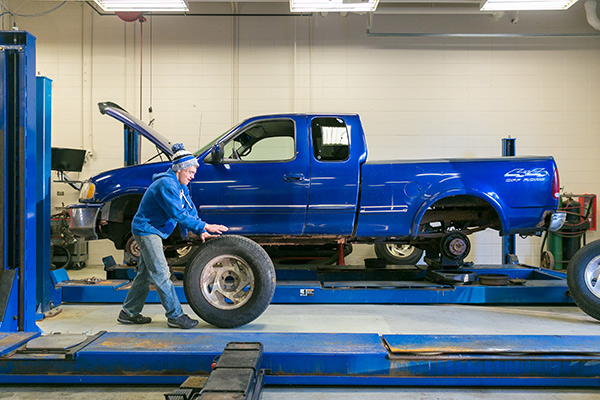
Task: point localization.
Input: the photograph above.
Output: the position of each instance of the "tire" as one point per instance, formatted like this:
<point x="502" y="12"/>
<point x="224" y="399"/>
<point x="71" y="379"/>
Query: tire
<point x="182" y="255"/>
<point x="178" y="257"/>
<point x="399" y="254"/>
<point x="61" y="256"/>
<point x="226" y="261"/>
<point x="583" y="278"/>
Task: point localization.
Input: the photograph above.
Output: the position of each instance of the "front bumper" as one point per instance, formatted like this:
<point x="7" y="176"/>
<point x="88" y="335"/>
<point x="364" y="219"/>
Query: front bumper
<point x="83" y="220"/>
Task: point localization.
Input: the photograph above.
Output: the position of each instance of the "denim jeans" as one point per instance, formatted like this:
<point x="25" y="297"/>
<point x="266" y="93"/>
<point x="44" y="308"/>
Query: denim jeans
<point x="152" y="268"/>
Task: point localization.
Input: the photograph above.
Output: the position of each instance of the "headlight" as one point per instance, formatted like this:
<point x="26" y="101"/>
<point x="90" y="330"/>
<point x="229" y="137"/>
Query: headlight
<point x="87" y="191"/>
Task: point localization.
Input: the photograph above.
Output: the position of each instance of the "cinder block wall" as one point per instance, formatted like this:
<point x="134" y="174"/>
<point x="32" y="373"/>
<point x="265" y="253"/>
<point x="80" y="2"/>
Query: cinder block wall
<point x="419" y="97"/>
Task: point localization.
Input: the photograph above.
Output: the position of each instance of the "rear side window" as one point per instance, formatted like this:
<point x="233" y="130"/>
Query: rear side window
<point x="330" y="139"/>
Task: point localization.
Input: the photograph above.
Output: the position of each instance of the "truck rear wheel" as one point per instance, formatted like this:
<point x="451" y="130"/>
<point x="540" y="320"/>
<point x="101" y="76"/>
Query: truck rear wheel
<point x="230" y="282"/>
<point x="583" y="275"/>
<point x="400" y="254"/>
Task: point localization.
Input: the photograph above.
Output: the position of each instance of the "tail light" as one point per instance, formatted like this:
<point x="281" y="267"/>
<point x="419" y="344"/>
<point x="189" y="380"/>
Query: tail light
<point x="556" y="185"/>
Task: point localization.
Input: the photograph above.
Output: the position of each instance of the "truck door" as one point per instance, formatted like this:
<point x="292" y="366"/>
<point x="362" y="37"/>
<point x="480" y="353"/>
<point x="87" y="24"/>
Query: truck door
<point x="261" y="187"/>
<point x="335" y="174"/>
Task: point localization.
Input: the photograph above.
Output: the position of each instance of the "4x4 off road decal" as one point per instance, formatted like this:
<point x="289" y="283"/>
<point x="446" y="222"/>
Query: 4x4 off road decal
<point x="527" y="175"/>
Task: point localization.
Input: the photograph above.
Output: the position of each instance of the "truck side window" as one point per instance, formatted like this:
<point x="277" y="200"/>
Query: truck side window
<point x="271" y="140"/>
<point x="330" y="139"/>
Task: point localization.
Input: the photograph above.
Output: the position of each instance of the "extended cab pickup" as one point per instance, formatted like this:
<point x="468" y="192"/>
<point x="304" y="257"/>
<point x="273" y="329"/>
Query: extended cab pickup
<point x="305" y="178"/>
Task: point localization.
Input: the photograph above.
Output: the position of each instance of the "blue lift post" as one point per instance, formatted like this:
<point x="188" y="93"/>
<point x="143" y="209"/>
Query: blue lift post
<point x="47" y="295"/>
<point x="509" y="246"/>
<point x="131" y="142"/>
<point x="19" y="228"/>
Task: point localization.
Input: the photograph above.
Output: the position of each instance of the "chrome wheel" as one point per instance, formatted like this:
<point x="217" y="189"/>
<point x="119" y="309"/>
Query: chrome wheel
<point x="227" y="282"/>
<point x="400" y="250"/>
<point x="183" y="251"/>
<point x="591" y="275"/>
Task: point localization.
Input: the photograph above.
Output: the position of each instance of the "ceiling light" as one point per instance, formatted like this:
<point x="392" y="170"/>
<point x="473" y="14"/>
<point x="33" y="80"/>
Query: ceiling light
<point x="516" y="5"/>
<point x="333" y="5"/>
<point x="143" y="5"/>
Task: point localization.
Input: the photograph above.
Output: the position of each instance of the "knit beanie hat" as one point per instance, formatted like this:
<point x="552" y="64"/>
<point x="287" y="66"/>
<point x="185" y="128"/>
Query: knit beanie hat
<point x="182" y="159"/>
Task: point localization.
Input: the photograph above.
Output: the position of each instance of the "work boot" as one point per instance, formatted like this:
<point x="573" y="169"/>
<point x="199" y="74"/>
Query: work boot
<point x="183" y="322"/>
<point x="124" y="318"/>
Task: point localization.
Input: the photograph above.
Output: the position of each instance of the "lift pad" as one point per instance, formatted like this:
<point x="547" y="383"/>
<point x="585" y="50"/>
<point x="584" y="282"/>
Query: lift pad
<point x="322" y="359"/>
<point x="236" y="375"/>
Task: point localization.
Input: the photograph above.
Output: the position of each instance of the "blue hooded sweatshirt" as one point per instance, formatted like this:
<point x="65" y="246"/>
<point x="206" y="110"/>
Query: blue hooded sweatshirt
<point x="165" y="204"/>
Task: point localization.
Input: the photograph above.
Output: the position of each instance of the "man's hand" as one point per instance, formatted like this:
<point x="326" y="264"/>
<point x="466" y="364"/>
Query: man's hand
<point x="203" y="236"/>
<point x="206" y="235"/>
<point x="214" y="228"/>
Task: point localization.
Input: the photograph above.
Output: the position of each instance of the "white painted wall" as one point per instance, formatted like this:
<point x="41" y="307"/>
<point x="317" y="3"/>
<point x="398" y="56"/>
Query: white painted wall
<point x="418" y="97"/>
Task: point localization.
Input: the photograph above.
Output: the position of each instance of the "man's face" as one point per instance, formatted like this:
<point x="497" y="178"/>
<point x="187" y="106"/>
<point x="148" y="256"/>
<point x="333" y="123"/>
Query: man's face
<point x="186" y="175"/>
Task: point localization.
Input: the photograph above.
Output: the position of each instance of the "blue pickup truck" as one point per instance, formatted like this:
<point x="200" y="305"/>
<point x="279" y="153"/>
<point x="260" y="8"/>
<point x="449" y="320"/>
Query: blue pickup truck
<point x="305" y="179"/>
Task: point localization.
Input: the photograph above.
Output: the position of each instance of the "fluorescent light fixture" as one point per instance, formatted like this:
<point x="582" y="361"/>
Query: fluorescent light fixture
<point x="333" y="5"/>
<point x="517" y="5"/>
<point x="143" y="5"/>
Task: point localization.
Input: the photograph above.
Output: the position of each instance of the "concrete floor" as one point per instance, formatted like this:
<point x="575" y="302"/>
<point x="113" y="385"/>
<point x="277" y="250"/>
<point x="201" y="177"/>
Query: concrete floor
<point x="382" y="319"/>
<point x="355" y="318"/>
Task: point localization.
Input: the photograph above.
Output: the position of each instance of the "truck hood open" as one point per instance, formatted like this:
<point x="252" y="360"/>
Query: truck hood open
<point x="120" y="114"/>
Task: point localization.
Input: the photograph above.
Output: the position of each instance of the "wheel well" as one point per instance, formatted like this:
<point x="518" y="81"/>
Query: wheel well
<point x="116" y="225"/>
<point x="461" y="212"/>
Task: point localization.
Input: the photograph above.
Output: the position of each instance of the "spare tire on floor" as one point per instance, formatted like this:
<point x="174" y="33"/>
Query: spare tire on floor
<point x="230" y="281"/>
<point x="583" y="278"/>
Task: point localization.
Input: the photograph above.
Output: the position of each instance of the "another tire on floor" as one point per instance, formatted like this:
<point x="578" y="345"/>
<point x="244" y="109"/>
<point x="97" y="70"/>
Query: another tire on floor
<point x="230" y="281"/>
<point x="583" y="276"/>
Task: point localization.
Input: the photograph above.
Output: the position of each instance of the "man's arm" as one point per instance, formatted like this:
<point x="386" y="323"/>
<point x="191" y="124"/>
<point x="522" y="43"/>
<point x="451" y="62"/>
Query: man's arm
<point x="173" y="205"/>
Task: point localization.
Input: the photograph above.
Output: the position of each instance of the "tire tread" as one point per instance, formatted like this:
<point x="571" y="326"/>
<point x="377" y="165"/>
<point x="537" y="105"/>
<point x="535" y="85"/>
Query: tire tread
<point x="587" y="301"/>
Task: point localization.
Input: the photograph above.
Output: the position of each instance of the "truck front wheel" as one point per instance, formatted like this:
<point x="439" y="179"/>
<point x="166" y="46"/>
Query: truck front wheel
<point x="230" y="282"/>
<point x="583" y="275"/>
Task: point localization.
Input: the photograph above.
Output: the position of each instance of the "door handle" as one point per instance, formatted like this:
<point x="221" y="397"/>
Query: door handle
<point x="294" y="177"/>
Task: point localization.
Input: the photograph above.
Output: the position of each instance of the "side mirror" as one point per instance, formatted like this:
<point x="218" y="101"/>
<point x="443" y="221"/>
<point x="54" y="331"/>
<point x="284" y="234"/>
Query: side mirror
<point x="216" y="154"/>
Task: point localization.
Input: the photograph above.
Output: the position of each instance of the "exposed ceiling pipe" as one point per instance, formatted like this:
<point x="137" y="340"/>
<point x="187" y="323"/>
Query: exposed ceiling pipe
<point x="591" y="14"/>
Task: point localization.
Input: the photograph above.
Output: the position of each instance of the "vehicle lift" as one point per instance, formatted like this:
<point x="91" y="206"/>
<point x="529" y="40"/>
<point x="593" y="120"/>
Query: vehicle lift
<point x="27" y="356"/>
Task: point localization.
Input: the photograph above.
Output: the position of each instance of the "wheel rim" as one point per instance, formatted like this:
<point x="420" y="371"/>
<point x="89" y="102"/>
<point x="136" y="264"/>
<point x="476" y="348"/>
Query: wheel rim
<point x="227" y="282"/>
<point x="183" y="251"/>
<point x="400" y="250"/>
<point x="591" y="275"/>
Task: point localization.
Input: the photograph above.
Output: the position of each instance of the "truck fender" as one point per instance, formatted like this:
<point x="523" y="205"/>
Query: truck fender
<point x="458" y="192"/>
<point x="119" y="192"/>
